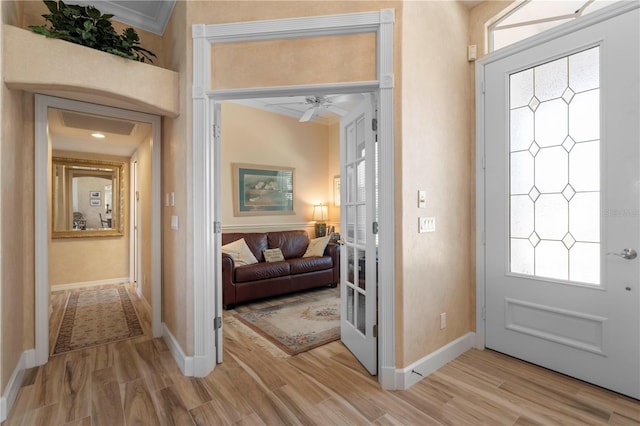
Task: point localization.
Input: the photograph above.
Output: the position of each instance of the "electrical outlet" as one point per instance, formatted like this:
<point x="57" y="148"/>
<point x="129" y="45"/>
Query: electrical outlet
<point x="426" y="224"/>
<point x="443" y="320"/>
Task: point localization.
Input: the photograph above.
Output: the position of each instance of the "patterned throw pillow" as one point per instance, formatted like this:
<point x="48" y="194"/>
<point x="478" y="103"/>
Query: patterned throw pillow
<point x="316" y="246"/>
<point x="273" y="255"/>
<point x="239" y="252"/>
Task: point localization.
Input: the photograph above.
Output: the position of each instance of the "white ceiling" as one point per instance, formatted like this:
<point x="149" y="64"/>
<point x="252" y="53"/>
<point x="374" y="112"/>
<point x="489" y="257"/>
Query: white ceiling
<point x="71" y="131"/>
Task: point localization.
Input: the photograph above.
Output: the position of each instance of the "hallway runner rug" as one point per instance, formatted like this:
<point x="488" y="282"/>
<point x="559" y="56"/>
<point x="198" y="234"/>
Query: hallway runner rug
<point x="296" y="323"/>
<point x="96" y="317"/>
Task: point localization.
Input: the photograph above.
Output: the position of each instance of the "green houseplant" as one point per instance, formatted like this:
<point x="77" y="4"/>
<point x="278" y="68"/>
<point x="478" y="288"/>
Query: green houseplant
<point x="87" y="26"/>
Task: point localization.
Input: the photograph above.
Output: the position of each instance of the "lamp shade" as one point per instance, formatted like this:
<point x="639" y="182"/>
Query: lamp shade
<point x="320" y="213"/>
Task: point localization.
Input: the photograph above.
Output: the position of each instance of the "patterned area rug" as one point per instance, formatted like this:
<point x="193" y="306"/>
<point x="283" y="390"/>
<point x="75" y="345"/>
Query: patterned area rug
<point x="95" y="317"/>
<point x="296" y="323"/>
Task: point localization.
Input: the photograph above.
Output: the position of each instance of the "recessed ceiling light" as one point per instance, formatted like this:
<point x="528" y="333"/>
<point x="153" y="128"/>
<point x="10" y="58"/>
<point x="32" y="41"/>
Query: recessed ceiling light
<point x="97" y="135"/>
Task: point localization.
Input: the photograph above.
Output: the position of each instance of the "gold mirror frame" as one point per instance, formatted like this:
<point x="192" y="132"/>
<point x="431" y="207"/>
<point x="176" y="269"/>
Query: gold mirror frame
<point x="118" y="195"/>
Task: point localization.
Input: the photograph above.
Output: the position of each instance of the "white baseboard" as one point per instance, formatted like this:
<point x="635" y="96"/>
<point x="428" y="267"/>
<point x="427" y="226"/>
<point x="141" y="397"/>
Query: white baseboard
<point x="27" y="360"/>
<point x="185" y="363"/>
<point x="73" y="286"/>
<point x="408" y="376"/>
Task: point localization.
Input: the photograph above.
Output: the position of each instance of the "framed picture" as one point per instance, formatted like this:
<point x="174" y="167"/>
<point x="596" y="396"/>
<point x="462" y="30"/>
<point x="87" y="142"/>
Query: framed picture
<point x="95" y="202"/>
<point x="336" y="190"/>
<point x="94" y="194"/>
<point x="262" y="190"/>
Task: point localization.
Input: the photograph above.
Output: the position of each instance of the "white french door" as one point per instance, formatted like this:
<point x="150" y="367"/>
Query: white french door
<point x="562" y="201"/>
<point x="358" y="260"/>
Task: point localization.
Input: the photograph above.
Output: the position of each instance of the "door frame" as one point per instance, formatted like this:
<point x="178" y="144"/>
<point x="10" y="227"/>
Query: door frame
<point x="135" y="253"/>
<point x="207" y="291"/>
<point x="547" y="36"/>
<point x="42" y="212"/>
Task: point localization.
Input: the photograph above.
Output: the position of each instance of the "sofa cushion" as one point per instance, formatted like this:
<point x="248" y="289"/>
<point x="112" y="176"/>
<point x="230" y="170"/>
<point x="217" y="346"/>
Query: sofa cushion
<point x="257" y="241"/>
<point x="239" y="252"/>
<point x="273" y="255"/>
<point x="292" y="243"/>
<point x="317" y="246"/>
<point x="310" y="264"/>
<point x="261" y="271"/>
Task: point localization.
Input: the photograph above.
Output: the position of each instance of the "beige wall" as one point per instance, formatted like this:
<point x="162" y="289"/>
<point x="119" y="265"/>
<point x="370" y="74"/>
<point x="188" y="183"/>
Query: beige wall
<point x="177" y="293"/>
<point x="81" y="260"/>
<point x="253" y="136"/>
<point x="16" y="219"/>
<point x="334" y="170"/>
<point x="143" y="156"/>
<point x="436" y="153"/>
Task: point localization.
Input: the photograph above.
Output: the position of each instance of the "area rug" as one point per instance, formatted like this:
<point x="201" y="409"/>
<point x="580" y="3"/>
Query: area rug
<point x="297" y="323"/>
<point x="95" y="317"/>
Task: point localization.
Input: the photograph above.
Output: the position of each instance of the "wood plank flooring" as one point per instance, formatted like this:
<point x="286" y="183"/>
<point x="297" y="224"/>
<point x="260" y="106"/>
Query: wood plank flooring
<point x="136" y="382"/>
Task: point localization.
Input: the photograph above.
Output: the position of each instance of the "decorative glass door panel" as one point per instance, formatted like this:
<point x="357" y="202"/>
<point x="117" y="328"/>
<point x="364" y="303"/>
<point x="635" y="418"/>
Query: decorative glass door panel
<point x="554" y="144"/>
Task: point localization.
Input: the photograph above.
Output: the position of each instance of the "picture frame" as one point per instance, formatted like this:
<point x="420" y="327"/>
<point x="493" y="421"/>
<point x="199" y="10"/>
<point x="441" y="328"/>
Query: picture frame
<point x="336" y="190"/>
<point x="260" y="190"/>
<point x="95" y="202"/>
<point x="94" y="194"/>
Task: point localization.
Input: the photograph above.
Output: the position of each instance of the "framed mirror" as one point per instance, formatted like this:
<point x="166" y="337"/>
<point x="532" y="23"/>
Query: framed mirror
<point x="87" y="198"/>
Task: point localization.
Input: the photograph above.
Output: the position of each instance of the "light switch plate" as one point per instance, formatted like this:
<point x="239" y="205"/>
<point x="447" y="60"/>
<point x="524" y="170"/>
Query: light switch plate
<point x="174" y="222"/>
<point x="426" y="224"/>
<point x="422" y="199"/>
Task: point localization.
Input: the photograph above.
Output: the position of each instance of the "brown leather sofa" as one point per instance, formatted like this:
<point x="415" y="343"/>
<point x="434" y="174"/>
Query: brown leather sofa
<point x="250" y="282"/>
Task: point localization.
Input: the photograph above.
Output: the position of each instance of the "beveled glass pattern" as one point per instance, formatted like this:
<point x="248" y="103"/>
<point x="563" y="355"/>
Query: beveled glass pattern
<point x="554" y="170"/>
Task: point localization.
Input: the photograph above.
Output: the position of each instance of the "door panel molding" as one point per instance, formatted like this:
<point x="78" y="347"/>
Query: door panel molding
<point x="580" y="331"/>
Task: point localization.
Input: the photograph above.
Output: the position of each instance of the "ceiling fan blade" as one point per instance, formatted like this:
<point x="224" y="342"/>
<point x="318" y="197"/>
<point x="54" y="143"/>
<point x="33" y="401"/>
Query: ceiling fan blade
<point x="341" y="112"/>
<point x="308" y="114"/>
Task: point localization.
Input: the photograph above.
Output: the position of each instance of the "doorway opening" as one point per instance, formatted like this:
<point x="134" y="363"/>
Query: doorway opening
<point x="207" y="292"/>
<point x="303" y="133"/>
<point x="104" y="208"/>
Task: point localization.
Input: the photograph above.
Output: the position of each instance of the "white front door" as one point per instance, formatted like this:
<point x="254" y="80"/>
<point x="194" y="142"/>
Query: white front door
<point x="358" y="263"/>
<point x="562" y="202"/>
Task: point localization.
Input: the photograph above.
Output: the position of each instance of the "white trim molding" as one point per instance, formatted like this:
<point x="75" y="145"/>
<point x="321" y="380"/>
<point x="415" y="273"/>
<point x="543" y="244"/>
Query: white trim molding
<point x="86" y="284"/>
<point x="27" y="360"/>
<point x="205" y="154"/>
<point x="185" y="363"/>
<point x="409" y="376"/>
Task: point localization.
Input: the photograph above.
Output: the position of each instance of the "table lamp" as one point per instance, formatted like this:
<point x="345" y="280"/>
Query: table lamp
<point x="320" y="215"/>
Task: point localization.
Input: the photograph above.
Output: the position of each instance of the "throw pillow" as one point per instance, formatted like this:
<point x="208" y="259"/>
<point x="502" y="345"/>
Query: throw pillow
<point x="316" y="246"/>
<point x="240" y="252"/>
<point x="273" y="255"/>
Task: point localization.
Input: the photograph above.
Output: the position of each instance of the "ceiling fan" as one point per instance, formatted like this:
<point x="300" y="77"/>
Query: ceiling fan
<point x="318" y="103"/>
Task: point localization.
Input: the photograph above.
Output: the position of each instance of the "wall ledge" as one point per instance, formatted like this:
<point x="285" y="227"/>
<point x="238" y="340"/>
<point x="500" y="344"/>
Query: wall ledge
<point x="37" y="64"/>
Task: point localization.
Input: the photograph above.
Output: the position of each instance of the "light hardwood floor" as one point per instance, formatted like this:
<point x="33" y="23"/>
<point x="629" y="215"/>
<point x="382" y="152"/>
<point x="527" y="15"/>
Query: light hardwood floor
<point x="136" y="382"/>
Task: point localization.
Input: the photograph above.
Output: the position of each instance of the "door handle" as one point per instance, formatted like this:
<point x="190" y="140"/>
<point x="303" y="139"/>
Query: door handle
<point x="627" y="253"/>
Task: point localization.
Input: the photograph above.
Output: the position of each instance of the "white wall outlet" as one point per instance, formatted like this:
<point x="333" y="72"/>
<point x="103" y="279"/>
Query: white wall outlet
<point x="443" y="320"/>
<point x="174" y="222"/>
<point x="173" y="198"/>
<point x="426" y="224"/>
<point x="422" y="199"/>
